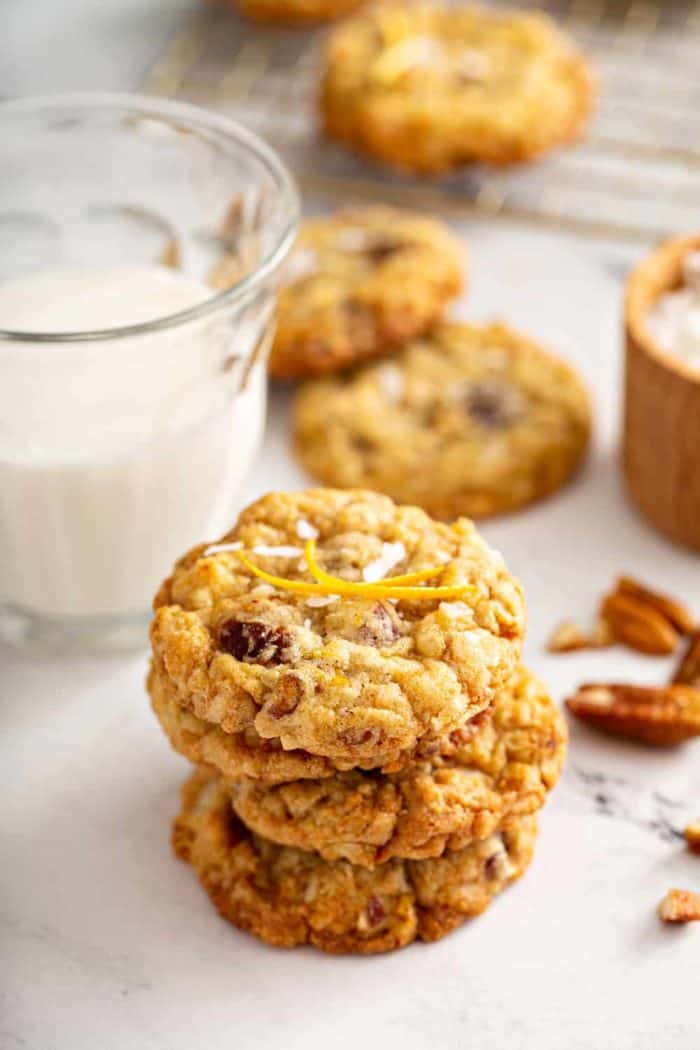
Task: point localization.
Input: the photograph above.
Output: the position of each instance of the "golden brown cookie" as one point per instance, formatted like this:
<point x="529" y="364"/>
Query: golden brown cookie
<point x="459" y="795"/>
<point x="356" y="670"/>
<point x="361" y="283"/>
<point x="472" y="419"/>
<point x="429" y="88"/>
<point x="246" y="754"/>
<point x="288" y="897"/>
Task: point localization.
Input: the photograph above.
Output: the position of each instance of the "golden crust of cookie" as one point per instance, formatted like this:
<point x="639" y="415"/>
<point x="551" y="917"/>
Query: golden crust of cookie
<point x="361" y="283"/>
<point x="472" y="419"/>
<point x="351" y="678"/>
<point x="248" y="755"/>
<point x="288" y="897"/>
<point x="459" y="795"/>
<point x="296" y="12"/>
<point x="429" y="88"/>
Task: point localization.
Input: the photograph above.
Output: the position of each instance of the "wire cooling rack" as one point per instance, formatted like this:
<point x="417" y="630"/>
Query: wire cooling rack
<point x="636" y="174"/>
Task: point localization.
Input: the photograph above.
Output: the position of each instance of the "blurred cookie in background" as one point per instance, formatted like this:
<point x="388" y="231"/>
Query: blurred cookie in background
<point x="430" y="88"/>
<point x="471" y="420"/>
<point x="361" y="283"/>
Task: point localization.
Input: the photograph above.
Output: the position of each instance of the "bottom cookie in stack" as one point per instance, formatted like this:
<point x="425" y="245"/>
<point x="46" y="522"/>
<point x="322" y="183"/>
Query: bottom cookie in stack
<point x="288" y="896"/>
<point x="368" y="862"/>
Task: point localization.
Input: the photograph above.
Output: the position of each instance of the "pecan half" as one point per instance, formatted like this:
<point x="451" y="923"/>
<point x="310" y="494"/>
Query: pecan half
<point x="639" y="625"/>
<point x="662" y="716"/>
<point x="677" y="614"/>
<point x="688" y="670"/>
<point x="680" y="906"/>
<point x="692" y="836"/>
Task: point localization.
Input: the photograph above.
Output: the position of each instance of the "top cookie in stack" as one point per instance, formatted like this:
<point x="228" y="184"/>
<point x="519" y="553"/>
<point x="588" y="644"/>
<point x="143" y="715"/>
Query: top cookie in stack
<point x="260" y="669"/>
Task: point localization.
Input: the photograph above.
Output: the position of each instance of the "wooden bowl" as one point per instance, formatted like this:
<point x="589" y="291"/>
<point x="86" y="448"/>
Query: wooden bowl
<point x="661" y="443"/>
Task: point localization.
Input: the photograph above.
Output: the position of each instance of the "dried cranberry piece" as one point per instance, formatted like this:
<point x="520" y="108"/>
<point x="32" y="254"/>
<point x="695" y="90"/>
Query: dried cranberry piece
<point x="380" y="250"/>
<point x="494" y="867"/>
<point x="493" y="405"/>
<point x="254" y="642"/>
<point x="375" y="911"/>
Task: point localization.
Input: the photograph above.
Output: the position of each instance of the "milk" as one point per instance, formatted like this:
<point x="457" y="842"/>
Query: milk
<point x="117" y="455"/>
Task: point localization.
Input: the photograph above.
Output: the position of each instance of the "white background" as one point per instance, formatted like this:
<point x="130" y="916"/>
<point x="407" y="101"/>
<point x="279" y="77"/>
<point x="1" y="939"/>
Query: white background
<point x="107" y="942"/>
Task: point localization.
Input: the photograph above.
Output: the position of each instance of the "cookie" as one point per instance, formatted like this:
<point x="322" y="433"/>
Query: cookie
<point x="361" y="283"/>
<point x="296" y="12"/>
<point x="288" y="897"/>
<point x="354" y="670"/>
<point x="248" y="755"/>
<point x="458" y="796"/>
<point x="430" y="88"/>
<point x="473" y="420"/>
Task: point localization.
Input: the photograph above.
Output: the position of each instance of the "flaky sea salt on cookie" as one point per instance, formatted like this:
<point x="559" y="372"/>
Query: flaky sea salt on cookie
<point x="287" y="637"/>
<point x="360" y="283"/>
<point x="430" y="87"/>
<point x="288" y="897"/>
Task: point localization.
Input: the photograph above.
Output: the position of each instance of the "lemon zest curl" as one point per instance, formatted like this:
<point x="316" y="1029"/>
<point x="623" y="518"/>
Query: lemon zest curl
<point x="392" y="587"/>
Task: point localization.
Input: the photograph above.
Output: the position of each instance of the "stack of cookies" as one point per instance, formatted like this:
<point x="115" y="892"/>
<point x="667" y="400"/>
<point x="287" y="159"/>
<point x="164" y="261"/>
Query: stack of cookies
<point x="345" y="675"/>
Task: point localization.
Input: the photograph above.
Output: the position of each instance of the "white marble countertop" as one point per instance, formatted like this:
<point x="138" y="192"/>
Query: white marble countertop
<point x="108" y="942"/>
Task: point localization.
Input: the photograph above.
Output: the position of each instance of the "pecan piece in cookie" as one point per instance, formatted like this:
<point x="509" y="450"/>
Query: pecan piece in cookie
<point x="287" y="694"/>
<point x="659" y="716"/>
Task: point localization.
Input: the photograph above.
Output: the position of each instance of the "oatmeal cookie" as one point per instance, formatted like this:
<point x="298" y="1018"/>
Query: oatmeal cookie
<point x="474" y="420"/>
<point x="248" y="755"/>
<point x="288" y="897"/>
<point x="429" y="88"/>
<point x="361" y="283"/>
<point x="461" y="794"/>
<point x="354" y="672"/>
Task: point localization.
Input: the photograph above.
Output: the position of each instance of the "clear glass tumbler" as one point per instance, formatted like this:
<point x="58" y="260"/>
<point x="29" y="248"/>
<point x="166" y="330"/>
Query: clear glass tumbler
<point x="141" y="244"/>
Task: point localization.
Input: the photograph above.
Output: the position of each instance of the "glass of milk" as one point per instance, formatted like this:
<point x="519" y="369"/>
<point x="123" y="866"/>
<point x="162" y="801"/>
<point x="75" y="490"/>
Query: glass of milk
<point x="140" y="248"/>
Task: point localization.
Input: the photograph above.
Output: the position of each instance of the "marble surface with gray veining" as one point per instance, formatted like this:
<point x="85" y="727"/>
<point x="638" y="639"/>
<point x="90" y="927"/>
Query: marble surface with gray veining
<point x="107" y="942"/>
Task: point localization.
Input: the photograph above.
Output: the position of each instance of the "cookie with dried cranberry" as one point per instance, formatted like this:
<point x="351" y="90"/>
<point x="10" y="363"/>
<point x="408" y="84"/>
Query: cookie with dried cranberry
<point x="361" y="283"/>
<point x="356" y="670"/>
<point x="288" y="897"/>
<point x="429" y="88"/>
<point x="447" y="801"/>
<point x="471" y="419"/>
